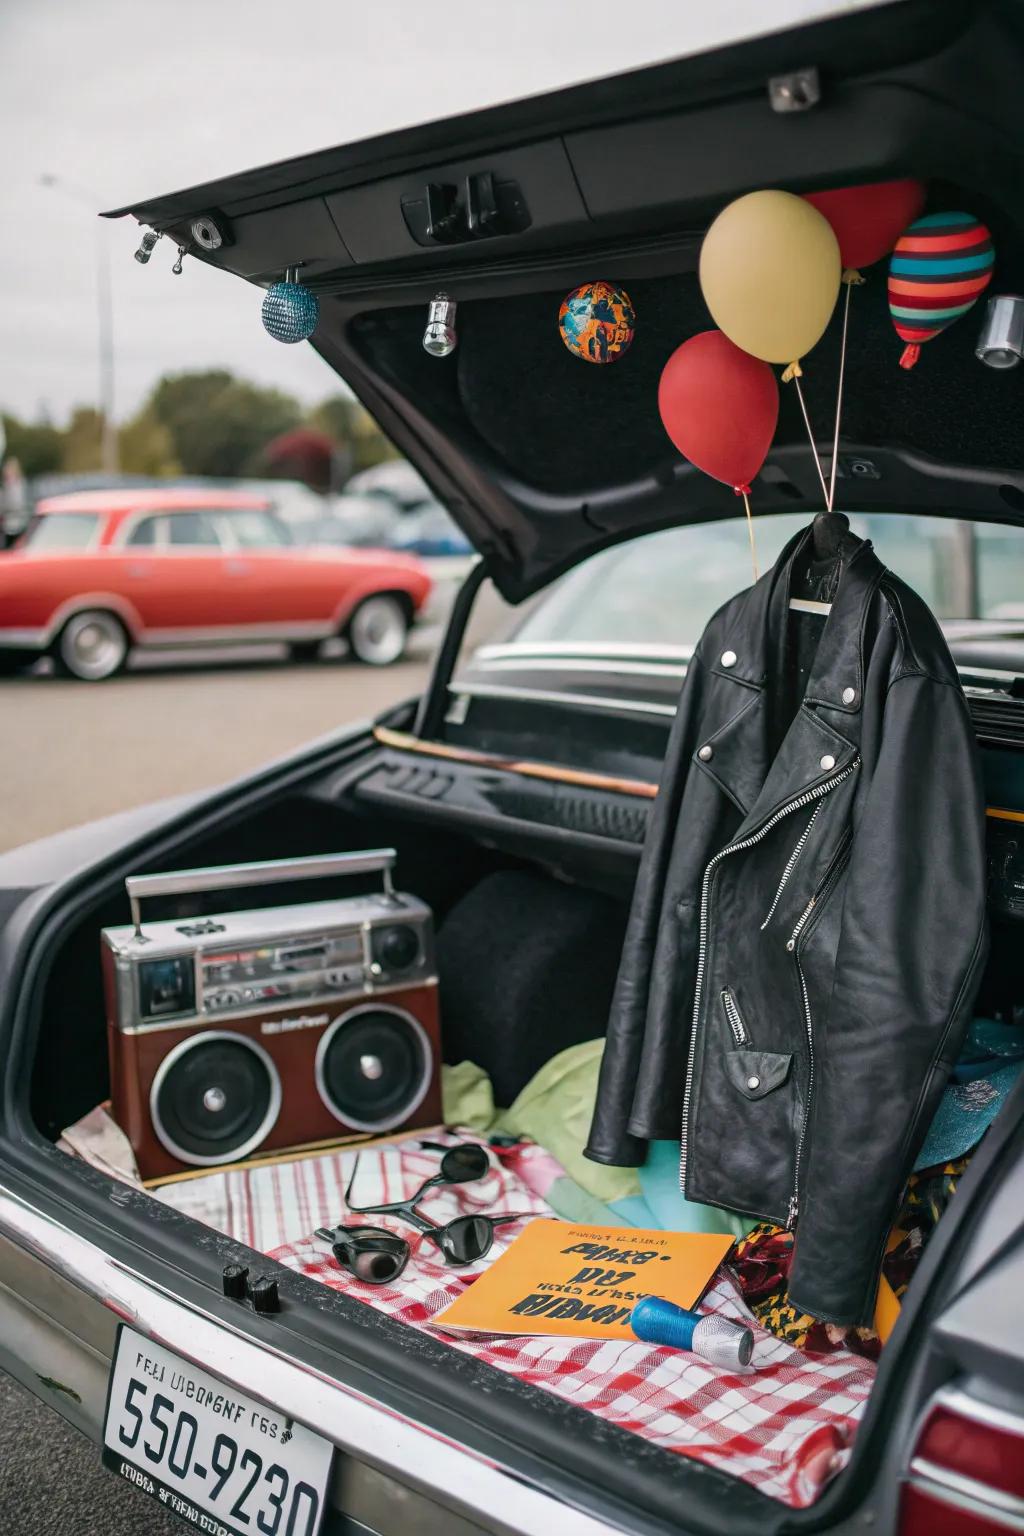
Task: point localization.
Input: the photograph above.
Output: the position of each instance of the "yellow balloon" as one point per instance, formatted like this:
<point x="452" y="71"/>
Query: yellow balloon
<point x="770" y="271"/>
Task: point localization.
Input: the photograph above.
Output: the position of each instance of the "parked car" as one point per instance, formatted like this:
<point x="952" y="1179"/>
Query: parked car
<point x="356" y="521"/>
<point x="430" y="532"/>
<point x="543" y="761"/>
<point x="395" y="479"/>
<point x="99" y="574"/>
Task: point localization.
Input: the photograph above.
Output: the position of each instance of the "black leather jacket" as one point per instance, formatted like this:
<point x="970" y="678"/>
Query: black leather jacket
<point x="808" y="926"/>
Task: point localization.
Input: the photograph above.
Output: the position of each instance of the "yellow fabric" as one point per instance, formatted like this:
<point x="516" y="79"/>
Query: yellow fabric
<point x="887" y="1306"/>
<point x="770" y="271"/>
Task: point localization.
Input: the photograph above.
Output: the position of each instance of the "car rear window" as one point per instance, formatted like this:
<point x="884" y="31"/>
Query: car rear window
<point x="192" y="528"/>
<point x="62" y="530"/>
<point x="253" y="528"/>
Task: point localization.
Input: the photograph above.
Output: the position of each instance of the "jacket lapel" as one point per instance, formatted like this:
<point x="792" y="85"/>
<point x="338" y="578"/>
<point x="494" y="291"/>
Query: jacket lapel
<point x="819" y="742"/>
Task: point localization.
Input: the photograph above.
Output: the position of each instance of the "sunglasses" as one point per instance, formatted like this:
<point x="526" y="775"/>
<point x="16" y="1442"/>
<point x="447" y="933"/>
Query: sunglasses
<point x="462" y="1240"/>
<point x="372" y="1254"/>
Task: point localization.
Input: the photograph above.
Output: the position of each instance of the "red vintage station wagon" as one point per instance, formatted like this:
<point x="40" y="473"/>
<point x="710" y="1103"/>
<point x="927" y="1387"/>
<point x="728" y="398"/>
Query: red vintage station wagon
<point x="99" y="573"/>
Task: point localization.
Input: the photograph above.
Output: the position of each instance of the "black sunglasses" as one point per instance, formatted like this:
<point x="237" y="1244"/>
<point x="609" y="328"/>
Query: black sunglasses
<point x="462" y="1240"/>
<point x="372" y="1254"/>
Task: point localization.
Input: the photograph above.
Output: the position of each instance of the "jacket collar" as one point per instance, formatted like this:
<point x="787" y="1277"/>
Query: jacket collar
<point x="823" y="735"/>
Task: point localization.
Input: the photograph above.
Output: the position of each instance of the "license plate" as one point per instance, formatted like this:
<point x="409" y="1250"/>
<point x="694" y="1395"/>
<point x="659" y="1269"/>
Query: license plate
<point x="225" y="1463"/>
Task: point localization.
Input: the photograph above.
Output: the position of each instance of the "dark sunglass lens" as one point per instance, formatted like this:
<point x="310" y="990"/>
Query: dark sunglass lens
<point x="376" y="1268"/>
<point x="460" y="1164"/>
<point x="466" y="1239"/>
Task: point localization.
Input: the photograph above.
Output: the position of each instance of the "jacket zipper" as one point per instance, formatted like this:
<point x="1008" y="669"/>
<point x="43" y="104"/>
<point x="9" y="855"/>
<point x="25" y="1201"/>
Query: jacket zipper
<point x="732" y="1013"/>
<point x="702" y="951"/>
<point x="819" y="897"/>
<point x="792" y="863"/>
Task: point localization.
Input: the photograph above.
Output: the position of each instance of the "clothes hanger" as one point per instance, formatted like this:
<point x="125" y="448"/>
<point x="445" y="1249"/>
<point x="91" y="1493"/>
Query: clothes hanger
<point x="827" y="532"/>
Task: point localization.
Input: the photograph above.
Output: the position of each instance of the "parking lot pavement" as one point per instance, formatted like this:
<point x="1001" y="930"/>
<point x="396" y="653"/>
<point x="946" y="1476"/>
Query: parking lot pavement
<point x="52" y="1483"/>
<point x="71" y="751"/>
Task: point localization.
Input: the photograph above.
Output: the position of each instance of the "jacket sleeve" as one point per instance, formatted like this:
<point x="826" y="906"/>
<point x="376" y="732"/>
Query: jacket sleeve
<point x="610" y="1140"/>
<point x="912" y="948"/>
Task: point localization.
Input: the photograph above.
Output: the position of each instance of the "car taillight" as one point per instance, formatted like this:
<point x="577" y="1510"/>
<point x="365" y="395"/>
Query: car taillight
<point x="966" y="1474"/>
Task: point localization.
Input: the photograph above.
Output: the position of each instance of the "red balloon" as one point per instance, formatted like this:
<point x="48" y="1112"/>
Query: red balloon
<point x="720" y="407"/>
<point x="867" y="221"/>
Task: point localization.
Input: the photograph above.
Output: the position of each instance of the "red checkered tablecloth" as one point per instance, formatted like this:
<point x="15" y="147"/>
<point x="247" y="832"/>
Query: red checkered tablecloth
<point x="786" y="1426"/>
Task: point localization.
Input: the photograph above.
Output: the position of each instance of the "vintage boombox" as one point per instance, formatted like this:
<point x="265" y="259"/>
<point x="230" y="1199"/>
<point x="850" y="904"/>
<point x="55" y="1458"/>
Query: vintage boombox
<point x="271" y="1028"/>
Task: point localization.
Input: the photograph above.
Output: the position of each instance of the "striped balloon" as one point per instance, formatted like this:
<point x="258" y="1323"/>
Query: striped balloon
<point x="937" y="270"/>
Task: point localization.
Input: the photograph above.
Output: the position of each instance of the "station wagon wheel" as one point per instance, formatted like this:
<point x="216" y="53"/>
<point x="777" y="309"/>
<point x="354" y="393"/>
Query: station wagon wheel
<point x="92" y="646"/>
<point x="377" y="631"/>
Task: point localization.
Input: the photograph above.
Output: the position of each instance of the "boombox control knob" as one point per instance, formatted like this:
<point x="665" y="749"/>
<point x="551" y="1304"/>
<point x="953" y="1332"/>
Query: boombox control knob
<point x="235" y="1281"/>
<point x="263" y="1293"/>
<point x="397" y="948"/>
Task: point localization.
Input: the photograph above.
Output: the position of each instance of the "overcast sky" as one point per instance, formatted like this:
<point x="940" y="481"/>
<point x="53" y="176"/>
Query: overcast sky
<point x="126" y="99"/>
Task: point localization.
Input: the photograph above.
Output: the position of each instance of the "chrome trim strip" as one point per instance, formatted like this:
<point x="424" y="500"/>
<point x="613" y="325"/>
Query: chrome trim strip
<point x="413" y="1455"/>
<point x="573" y="664"/>
<point x="407" y="1110"/>
<point x="29" y="639"/>
<point x="967" y="1493"/>
<point x="215" y="634"/>
<point x="970" y="1407"/>
<point x="544" y="696"/>
<point x="224" y="1155"/>
<point x="626" y="650"/>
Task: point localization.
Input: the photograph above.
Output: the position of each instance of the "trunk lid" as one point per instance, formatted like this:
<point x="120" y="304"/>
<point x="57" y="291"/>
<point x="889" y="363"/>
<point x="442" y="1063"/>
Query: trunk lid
<point x="543" y="459"/>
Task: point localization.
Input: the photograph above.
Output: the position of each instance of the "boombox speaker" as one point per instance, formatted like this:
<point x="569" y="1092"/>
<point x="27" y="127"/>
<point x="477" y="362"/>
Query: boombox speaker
<point x="275" y="1028"/>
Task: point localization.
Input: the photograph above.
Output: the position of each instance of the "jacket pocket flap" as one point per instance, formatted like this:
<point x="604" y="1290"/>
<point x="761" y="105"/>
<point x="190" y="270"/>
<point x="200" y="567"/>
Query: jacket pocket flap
<point x="756" y="1073"/>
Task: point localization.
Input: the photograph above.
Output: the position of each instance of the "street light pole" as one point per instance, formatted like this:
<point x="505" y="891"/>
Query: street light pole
<point x="109" y="457"/>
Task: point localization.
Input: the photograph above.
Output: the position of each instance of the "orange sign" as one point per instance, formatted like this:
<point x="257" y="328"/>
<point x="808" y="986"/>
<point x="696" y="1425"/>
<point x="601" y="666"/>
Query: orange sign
<point x="583" y="1282"/>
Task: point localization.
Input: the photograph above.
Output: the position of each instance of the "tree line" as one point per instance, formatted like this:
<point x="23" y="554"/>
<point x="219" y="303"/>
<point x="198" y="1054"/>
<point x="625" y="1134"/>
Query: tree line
<point x="209" y="423"/>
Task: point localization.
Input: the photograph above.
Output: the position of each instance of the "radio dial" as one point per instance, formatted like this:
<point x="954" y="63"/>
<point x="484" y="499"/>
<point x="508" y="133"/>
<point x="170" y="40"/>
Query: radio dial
<point x="397" y="948"/>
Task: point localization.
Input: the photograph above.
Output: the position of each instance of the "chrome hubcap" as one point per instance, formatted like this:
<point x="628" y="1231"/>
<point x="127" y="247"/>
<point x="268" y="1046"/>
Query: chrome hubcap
<point x="93" y="645"/>
<point x="378" y="631"/>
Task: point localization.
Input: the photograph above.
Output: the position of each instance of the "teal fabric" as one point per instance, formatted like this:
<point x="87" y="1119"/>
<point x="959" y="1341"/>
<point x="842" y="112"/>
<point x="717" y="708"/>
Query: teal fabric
<point x="987" y="1070"/>
<point x="659" y="1185"/>
<point x="634" y="1211"/>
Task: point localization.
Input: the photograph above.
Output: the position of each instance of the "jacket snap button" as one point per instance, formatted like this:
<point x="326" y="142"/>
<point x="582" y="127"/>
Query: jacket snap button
<point x="828" y="762"/>
<point x="849" y="694"/>
<point x="753" y="1082"/>
<point x="728" y="658"/>
<point x="706" y="754"/>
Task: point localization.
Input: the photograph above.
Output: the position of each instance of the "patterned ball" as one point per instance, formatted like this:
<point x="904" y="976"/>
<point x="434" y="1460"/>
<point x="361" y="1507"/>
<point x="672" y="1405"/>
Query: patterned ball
<point x="597" y="322"/>
<point x="290" y="312"/>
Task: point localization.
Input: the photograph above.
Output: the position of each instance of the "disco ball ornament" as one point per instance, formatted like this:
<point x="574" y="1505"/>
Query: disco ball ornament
<point x="290" y="312"/>
<point x="597" y="322"/>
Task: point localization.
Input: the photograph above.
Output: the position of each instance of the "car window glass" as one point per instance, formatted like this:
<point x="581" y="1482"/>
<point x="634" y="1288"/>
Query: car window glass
<point x="62" y="530"/>
<point x="192" y="528"/>
<point x="144" y="532"/>
<point x="253" y="528"/>
<point x="662" y="588"/>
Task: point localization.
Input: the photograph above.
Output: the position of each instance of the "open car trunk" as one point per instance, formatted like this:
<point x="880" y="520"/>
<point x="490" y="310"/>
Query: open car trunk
<point x="543" y="461"/>
<point x="511" y="1003"/>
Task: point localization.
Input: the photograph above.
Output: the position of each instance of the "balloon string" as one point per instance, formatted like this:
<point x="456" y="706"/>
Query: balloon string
<point x="839" y="401"/>
<point x="750" y="531"/>
<point x="810" y="437"/>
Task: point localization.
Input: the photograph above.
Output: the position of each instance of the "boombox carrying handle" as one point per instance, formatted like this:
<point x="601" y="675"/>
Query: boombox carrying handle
<point x="223" y="877"/>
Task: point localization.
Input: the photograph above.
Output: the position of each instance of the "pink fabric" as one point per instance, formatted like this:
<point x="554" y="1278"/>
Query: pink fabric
<point x="786" y="1426"/>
